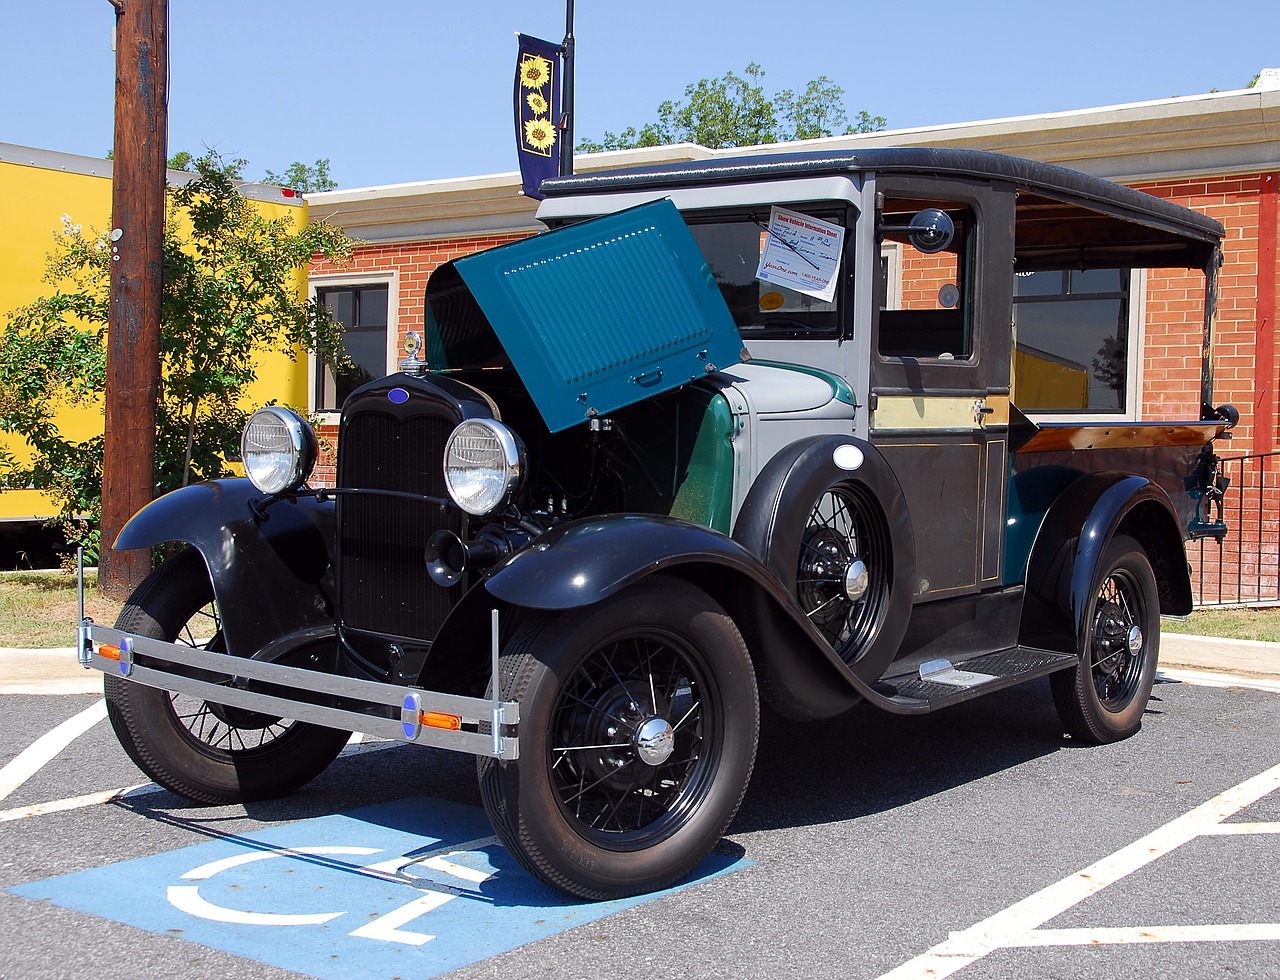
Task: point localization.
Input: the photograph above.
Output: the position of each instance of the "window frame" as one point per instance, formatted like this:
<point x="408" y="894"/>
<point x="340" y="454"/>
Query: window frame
<point x="354" y="280"/>
<point x="1134" y="368"/>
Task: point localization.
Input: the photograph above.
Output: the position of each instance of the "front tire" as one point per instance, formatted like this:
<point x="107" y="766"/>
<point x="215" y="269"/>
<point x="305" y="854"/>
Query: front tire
<point x="638" y="729"/>
<point x="1103" y="698"/>
<point x="206" y="752"/>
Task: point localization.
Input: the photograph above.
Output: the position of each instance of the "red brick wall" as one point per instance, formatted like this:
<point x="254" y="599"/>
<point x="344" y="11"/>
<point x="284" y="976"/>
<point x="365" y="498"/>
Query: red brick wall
<point x="1245" y="567"/>
<point x="1172" y="363"/>
<point x="414" y="261"/>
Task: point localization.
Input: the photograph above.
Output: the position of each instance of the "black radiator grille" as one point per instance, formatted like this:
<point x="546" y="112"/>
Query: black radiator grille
<point x="383" y="582"/>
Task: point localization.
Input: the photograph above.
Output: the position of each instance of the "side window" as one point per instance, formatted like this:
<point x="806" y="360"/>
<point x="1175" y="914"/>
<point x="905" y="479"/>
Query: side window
<point x="926" y="310"/>
<point x="362" y="310"/>
<point x="1074" y="350"/>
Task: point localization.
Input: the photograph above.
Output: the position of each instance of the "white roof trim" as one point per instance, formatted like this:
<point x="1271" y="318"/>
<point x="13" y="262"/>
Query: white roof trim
<point x="1212" y="134"/>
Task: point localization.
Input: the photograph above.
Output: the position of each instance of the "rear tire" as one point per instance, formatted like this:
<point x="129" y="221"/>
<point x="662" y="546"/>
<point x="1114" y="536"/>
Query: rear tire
<point x="638" y="727"/>
<point x="1103" y="698"/>
<point x="206" y="752"/>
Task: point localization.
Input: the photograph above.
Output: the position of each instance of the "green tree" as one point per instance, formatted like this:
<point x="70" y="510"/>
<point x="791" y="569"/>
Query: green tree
<point x="230" y="294"/>
<point x="304" y="178"/>
<point x="735" y="110"/>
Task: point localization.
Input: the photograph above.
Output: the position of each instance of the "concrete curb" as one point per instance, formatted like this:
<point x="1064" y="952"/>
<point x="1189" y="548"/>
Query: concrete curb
<point x="1215" y="653"/>
<point x="55" y="670"/>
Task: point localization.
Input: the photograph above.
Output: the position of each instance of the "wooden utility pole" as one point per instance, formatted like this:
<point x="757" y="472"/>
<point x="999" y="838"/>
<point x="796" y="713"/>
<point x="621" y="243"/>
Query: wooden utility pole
<point x="137" y="254"/>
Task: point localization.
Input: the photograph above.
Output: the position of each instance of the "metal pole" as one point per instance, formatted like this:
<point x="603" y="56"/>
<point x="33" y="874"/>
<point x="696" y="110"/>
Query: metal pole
<point x="566" y="96"/>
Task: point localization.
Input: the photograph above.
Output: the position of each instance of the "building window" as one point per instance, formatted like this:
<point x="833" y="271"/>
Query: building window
<point x="1075" y="350"/>
<point x="363" y="312"/>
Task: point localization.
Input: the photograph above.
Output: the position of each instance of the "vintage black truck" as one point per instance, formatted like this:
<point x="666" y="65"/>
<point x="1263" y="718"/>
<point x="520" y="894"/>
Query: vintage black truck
<point x="813" y="429"/>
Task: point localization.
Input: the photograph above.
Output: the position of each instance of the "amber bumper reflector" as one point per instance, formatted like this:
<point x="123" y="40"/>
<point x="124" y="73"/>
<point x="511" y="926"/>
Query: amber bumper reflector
<point x="438" y="719"/>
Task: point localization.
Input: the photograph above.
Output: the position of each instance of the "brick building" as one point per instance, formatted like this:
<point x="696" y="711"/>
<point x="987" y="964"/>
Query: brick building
<point x="1217" y="153"/>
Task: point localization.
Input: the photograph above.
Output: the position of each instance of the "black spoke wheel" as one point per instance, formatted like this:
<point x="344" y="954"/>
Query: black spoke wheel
<point x="845" y="569"/>
<point x="1103" y="698"/>
<point x="638" y="727"/>
<point x="207" y="752"/>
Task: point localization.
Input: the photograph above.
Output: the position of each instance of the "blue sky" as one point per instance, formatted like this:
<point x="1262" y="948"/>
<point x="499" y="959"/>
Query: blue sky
<point x="402" y="90"/>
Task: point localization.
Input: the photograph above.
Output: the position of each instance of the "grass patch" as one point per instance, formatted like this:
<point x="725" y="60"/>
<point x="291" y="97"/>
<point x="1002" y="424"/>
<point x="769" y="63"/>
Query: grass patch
<point x="39" y="609"/>
<point x="1236" y="624"/>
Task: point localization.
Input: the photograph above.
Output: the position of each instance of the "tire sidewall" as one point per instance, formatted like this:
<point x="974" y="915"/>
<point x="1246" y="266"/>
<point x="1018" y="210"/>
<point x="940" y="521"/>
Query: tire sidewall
<point x="1121" y="553"/>
<point x="151" y="734"/>
<point x="544" y="827"/>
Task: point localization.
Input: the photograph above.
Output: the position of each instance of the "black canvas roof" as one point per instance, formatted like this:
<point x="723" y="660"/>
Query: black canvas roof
<point x="1059" y="182"/>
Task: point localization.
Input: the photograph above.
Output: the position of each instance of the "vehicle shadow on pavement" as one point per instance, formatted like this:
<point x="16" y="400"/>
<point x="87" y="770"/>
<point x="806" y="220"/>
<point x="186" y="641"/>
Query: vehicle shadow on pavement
<point x="867" y="762"/>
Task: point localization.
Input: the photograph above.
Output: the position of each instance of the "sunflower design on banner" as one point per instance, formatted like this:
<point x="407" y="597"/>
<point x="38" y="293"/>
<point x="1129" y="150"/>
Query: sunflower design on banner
<point x="537" y="105"/>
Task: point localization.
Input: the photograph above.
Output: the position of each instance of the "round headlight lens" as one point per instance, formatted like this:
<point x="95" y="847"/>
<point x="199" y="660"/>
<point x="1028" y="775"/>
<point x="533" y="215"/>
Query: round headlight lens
<point x="278" y="449"/>
<point x="483" y="463"/>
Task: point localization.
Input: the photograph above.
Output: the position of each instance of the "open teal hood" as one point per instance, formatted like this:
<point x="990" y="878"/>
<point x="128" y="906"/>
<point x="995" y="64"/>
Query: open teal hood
<point x="593" y="317"/>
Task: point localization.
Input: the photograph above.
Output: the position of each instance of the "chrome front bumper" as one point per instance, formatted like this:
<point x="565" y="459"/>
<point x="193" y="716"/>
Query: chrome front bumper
<point x="409" y="714"/>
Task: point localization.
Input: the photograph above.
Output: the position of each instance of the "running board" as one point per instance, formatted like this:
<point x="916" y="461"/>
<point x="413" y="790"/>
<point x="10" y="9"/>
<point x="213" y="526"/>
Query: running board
<point x="940" y="683"/>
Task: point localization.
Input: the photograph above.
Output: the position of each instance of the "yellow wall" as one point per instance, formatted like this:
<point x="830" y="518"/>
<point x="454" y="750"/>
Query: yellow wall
<point x="33" y="199"/>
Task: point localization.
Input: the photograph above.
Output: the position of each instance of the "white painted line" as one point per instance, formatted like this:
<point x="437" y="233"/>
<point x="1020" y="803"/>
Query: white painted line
<point x="1227" y="829"/>
<point x="1253" y="932"/>
<point x="1208" y="678"/>
<point x="1011" y="926"/>
<point x="236" y="860"/>
<point x="186" y="898"/>
<point x="75" y="802"/>
<point x="30" y="760"/>
<point x="354" y="747"/>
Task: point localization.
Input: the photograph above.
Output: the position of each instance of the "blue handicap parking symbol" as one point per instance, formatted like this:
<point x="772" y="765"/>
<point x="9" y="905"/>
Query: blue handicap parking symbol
<point x="416" y="887"/>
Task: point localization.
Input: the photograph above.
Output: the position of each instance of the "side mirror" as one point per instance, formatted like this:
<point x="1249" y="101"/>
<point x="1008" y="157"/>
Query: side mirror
<point x="930" y="230"/>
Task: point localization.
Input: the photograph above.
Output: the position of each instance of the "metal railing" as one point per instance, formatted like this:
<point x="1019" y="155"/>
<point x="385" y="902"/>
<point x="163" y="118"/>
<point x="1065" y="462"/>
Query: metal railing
<point x="1242" y="569"/>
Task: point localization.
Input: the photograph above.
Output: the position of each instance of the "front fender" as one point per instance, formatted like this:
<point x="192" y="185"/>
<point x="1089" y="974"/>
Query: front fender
<point x="1062" y="573"/>
<point x="588" y="561"/>
<point x="271" y="568"/>
<point x="580" y="563"/>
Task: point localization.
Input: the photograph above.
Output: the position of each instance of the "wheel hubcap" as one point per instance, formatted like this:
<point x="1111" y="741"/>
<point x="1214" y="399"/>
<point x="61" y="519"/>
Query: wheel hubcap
<point x="655" y="741"/>
<point x="856" y="580"/>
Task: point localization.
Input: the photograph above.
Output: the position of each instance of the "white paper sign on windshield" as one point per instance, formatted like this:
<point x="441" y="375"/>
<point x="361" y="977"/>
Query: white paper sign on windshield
<point x="801" y="253"/>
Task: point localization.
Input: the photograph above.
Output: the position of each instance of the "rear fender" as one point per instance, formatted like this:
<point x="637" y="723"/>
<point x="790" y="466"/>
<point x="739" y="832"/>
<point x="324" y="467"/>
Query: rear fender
<point x="271" y="566"/>
<point x="1063" y="570"/>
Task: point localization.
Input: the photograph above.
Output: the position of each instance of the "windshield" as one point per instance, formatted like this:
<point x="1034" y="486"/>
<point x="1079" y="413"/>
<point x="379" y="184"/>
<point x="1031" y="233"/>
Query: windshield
<point x="733" y="246"/>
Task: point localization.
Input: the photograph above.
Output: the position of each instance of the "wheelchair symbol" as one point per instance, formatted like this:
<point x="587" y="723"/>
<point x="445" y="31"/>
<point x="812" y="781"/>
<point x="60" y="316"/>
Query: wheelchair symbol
<point x="386" y="928"/>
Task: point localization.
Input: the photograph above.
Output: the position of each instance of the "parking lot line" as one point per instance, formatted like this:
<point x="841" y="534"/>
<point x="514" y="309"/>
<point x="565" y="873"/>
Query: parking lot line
<point x="1242" y="932"/>
<point x="31" y="759"/>
<point x="1018" y="924"/>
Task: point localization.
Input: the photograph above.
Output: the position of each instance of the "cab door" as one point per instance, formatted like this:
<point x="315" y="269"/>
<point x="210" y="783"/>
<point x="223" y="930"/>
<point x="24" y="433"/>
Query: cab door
<point x="939" y="373"/>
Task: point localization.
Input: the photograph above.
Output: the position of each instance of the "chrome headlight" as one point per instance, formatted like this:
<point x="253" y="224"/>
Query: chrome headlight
<point x="278" y="449"/>
<point x="483" y="464"/>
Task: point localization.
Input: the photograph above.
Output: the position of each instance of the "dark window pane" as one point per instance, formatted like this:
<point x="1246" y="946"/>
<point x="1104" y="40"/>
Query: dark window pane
<point x="1072" y="355"/>
<point x="1097" y="280"/>
<point x="362" y="311"/>
<point x="342" y="303"/>
<point x="373" y="306"/>
<point x="1037" y="284"/>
